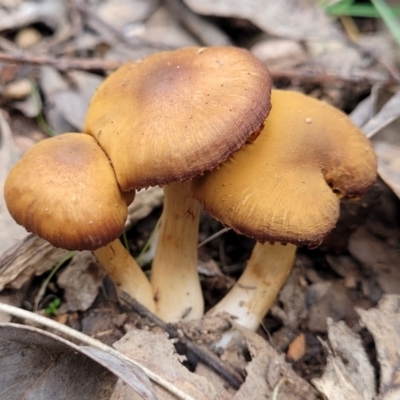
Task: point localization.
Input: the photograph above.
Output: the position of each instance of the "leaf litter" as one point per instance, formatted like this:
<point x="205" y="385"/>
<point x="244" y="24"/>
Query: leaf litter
<point x="355" y="268"/>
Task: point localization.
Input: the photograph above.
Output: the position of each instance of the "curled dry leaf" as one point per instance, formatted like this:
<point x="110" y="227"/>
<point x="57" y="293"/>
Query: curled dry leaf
<point x="10" y="232"/>
<point x="383" y="129"/>
<point x="69" y="96"/>
<point x="269" y="375"/>
<point x="35" y="364"/>
<point x="349" y="374"/>
<point x="49" y="12"/>
<point x="384" y="324"/>
<point x="81" y="282"/>
<point x="156" y="352"/>
<point x="285" y="18"/>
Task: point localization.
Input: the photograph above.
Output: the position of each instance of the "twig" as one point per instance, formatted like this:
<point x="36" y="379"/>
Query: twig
<point x="72" y="333"/>
<point x="130" y="41"/>
<point x="213" y="236"/>
<point x="205" y="356"/>
<point x="92" y="64"/>
<point x="62" y="64"/>
<point x="205" y="31"/>
<point x="321" y="77"/>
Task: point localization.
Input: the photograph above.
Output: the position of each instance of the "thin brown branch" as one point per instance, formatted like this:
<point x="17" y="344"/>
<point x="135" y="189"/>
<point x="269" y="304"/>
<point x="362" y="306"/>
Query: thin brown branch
<point x="205" y="355"/>
<point x="62" y="64"/>
<point x="92" y="64"/>
<point x="208" y="33"/>
<point x="130" y="41"/>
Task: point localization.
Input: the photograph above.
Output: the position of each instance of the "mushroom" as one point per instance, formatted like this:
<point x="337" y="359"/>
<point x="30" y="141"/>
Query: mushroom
<point x="166" y="119"/>
<point x="284" y="190"/>
<point x="64" y="190"/>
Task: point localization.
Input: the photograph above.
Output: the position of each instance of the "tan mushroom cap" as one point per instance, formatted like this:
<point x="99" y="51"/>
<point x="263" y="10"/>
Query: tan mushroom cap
<point x="286" y="185"/>
<point x="65" y="191"/>
<point x="176" y="114"/>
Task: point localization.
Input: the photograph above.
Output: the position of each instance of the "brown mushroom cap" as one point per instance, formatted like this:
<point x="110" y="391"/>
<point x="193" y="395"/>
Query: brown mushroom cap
<point x="65" y="191"/>
<point x="176" y="114"/>
<point x="286" y="185"/>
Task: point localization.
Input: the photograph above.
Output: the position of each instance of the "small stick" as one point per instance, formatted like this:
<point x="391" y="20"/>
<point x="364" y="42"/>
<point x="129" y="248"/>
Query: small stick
<point x="62" y="63"/>
<point x="133" y="42"/>
<point x="205" y="355"/>
<point x="91" y="64"/>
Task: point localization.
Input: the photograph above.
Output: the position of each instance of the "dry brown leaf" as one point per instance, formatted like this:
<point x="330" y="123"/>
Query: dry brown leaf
<point x="268" y="374"/>
<point x="285" y="18"/>
<point x="384" y="324"/>
<point x="348" y="373"/>
<point x="81" y="282"/>
<point x="119" y="13"/>
<point x="384" y="130"/>
<point x="35" y="364"/>
<point x="68" y="96"/>
<point x="378" y="258"/>
<point x="49" y="12"/>
<point x="10" y="232"/>
<point x="156" y="352"/>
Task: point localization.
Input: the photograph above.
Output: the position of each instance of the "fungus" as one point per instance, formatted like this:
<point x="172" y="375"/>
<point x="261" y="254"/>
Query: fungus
<point x="284" y="190"/>
<point x="64" y="190"/>
<point x="165" y="120"/>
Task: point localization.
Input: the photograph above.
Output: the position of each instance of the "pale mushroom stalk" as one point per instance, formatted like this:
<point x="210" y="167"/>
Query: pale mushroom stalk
<point x="257" y="288"/>
<point x="125" y="272"/>
<point x="174" y="275"/>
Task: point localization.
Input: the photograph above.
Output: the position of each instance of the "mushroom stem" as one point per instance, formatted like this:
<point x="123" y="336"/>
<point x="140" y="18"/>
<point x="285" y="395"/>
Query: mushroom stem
<point x="174" y="274"/>
<point x="256" y="290"/>
<point x="126" y="273"/>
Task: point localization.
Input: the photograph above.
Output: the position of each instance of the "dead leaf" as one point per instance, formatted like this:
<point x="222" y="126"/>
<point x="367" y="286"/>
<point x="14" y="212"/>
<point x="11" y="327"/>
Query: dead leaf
<point x="10" y="232"/>
<point x="69" y="96"/>
<point x="55" y="368"/>
<point x="380" y="259"/>
<point x="119" y="13"/>
<point x="38" y="365"/>
<point x="156" y="352"/>
<point x="298" y="20"/>
<point x="81" y="282"/>
<point x="268" y="374"/>
<point x="383" y="129"/>
<point x="30" y="257"/>
<point x="49" y="12"/>
<point x="384" y="324"/>
<point x="348" y="373"/>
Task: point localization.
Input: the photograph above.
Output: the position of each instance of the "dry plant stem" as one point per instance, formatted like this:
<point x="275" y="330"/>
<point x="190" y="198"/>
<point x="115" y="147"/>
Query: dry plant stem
<point x="92" y="64"/>
<point x="174" y="274"/>
<point x="204" y="354"/>
<point x="125" y="272"/>
<point x="72" y="333"/>
<point x="256" y="290"/>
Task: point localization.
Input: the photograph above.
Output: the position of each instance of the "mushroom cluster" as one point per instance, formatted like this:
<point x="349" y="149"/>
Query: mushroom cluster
<point x="284" y="190"/>
<point x="196" y="122"/>
<point x="160" y="121"/>
<point x="165" y="120"/>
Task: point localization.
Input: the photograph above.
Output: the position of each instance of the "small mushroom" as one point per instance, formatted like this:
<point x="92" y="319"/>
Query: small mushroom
<point x="284" y="190"/>
<point x="166" y="119"/>
<point x="64" y="190"/>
